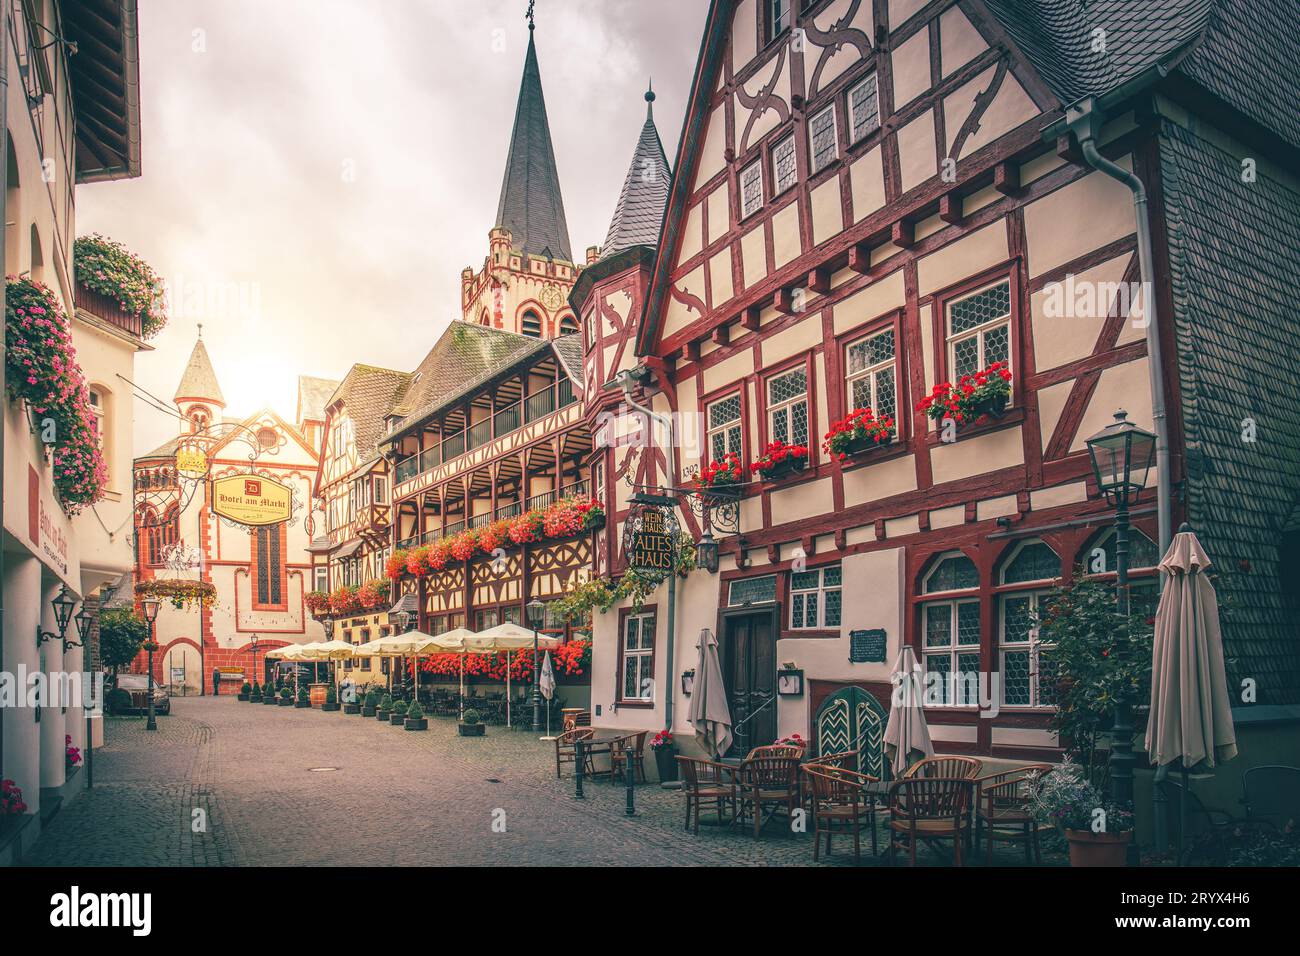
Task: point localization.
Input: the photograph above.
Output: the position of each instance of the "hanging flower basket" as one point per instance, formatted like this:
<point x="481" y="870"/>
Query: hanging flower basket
<point x="974" y="399"/>
<point x="109" y="268"/>
<point x="780" y="461"/>
<point x="857" y="433"/>
<point x="182" y="594"/>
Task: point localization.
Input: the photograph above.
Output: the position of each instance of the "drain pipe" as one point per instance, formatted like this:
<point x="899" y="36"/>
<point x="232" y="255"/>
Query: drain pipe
<point x="1084" y="120"/>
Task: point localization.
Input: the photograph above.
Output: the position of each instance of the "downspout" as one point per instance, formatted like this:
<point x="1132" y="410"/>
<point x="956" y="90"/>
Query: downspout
<point x="1085" y="120"/>
<point x="669" y="450"/>
<point x="4" y="184"/>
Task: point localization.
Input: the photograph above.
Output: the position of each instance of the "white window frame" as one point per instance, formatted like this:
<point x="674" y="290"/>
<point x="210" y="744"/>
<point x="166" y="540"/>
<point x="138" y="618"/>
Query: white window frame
<point x="773" y="26"/>
<point x="777" y="187"/>
<point x="786" y="407"/>
<point x="800" y="596"/>
<point x="953" y="649"/>
<point x="852" y="113"/>
<point x="756" y="167"/>
<point x="322" y="574"/>
<point x="1033" y="645"/>
<point x="737" y="424"/>
<point x="870" y="372"/>
<point x="980" y="330"/>
<point x="813" y="167"/>
<point x="643" y="655"/>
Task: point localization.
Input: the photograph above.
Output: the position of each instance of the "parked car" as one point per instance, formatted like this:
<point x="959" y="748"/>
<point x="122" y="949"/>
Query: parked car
<point x="137" y="685"/>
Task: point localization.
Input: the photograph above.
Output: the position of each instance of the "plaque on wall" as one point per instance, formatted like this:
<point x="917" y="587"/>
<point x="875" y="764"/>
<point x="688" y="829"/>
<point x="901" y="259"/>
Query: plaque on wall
<point x="867" y="646"/>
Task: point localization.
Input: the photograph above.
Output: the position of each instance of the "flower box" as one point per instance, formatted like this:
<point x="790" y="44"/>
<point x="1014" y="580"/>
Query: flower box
<point x="1088" y="849"/>
<point x="858" y="433"/>
<point x="720" y="479"/>
<point x="287" y="702"/>
<point x="382" y="715"/>
<point x="396" y="719"/>
<point x="975" y="397"/>
<point x="270" y="699"/>
<point x="368" y="711"/>
<point x="780" y="461"/>
<point x="784" y="469"/>
<point x="302" y="703"/>
<point x="329" y="708"/>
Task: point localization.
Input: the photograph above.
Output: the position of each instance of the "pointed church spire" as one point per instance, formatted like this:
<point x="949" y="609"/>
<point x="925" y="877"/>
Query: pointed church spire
<point x="531" y="206"/>
<point x="199" y="381"/>
<point x="640" y="210"/>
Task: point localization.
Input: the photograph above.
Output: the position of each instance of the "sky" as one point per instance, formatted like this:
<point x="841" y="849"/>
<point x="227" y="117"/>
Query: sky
<point x="316" y="173"/>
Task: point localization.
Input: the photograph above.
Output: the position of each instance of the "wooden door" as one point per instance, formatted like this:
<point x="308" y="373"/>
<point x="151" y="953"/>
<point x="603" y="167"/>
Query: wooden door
<point x="749" y="671"/>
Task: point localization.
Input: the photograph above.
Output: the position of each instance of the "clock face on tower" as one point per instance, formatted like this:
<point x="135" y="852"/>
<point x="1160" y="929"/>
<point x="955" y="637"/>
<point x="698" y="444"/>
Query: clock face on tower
<point x="551" y="297"/>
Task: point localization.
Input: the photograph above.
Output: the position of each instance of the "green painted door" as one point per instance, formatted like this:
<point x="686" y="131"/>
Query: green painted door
<point x="852" y="719"/>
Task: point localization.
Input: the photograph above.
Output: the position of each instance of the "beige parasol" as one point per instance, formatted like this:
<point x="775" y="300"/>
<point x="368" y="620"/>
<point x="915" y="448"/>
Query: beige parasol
<point x="906" y="733"/>
<point x="709" y="713"/>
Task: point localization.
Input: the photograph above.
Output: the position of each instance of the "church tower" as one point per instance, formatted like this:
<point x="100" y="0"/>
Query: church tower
<point x="198" y="396"/>
<point x="525" y="280"/>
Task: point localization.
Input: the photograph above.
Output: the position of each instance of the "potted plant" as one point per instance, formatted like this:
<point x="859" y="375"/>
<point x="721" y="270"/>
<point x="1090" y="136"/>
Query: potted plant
<point x="245" y="691"/>
<point x="385" y="707"/>
<point x="665" y="751"/>
<point x="397" y="716"/>
<point x="286" y="697"/>
<point x="857" y="432"/>
<point x="270" y="695"/>
<point x="471" y="724"/>
<point x="415" y="719"/>
<point x="720" y="479"/>
<point x="255" y="696"/>
<point x="976" y="397"/>
<point x="1098" y="830"/>
<point x="304" y="698"/>
<point x="780" y="461"/>
<point x="331" y="699"/>
<point x="11" y="799"/>
<point x="371" y="706"/>
<point x="354" y="706"/>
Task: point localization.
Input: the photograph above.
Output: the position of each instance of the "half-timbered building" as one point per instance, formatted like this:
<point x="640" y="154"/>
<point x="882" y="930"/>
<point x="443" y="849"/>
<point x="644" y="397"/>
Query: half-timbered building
<point x="875" y="197"/>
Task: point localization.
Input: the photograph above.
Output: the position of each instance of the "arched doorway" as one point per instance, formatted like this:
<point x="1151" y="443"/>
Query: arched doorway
<point x="852" y="719"/>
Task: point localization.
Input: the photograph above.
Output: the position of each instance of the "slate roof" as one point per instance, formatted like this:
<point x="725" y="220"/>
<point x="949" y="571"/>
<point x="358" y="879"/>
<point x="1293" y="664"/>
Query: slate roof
<point x="1234" y="257"/>
<point x="568" y="348"/>
<point x="166" y="450"/>
<point x="368" y="394"/>
<point x="641" y="204"/>
<point x="199" y="380"/>
<point x="530" y="205"/>
<point x="313" y="395"/>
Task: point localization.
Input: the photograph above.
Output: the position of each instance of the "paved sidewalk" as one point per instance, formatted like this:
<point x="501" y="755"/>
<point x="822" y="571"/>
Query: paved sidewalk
<point x="223" y="783"/>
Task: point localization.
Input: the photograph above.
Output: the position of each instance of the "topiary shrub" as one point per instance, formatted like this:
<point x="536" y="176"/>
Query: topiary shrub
<point x="399" y="708"/>
<point x="386" y="702"/>
<point x="331" y="695"/>
<point x="246" y="689"/>
<point x="471" y="717"/>
<point x="415" y="711"/>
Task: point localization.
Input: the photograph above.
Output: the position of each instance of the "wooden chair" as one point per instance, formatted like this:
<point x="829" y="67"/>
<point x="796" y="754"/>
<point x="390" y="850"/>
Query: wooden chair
<point x="930" y="808"/>
<point x="704" y="781"/>
<point x="967" y="768"/>
<point x="566" y="752"/>
<point x="767" y="781"/>
<point x="837" y="799"/>
<point x="844" y="761"/>
<point x="776" y="750"/>
<point x="630" y="747"/>
<point x="1003" y="811"/>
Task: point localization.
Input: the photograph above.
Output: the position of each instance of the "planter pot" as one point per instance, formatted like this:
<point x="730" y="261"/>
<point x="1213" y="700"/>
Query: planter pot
<point x="1098" y="849"/>
<point x="594" y="524"/>
<point x="367" y="711"/>
<point x="381" y="715"/>
<point x="329" y="708"/>
<point x="784" y="469"/>
<point x="351" y="708"/>
<point x="255" y="698"/>
<point x="243" y="696"/>
<point x="397" y="719"/>
<point x="666" y="762"/>
<point x="863" y="446"/>
<point x="302" y="703"/>
<point x="421" y="724"/>
<point x="992" y="408"/>
<point x="286" y="701"/>
<point x="471" y="730"/>
<point x="270" y="699"/>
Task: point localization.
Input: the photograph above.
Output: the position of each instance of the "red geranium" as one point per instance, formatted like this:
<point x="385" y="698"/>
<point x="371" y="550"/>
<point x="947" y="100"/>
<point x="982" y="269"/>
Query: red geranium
<point x="372" y="594"/>
<point x="718" y="474"/>
<point x="959" y="401"/>
<point x="316" y="601"/>
<point x="417" y="561"/>
<point x="343" y="600"/>
<point x="776" y="453"/>
<point x="395" y="566"/>
<point x="439" y="553"/>
<point x="527" y="527"/>
<point x="464" y="544"/>
<point x="859" y="424"/>
<point x="11" y="799"/>
<point x="493" y="536"/>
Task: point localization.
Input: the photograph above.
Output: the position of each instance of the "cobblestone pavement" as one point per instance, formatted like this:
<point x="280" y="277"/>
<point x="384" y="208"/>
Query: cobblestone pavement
<point x="253" y="777"/>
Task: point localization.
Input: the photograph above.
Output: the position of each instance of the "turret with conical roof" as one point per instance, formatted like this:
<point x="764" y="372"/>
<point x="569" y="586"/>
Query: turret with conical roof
<point x="640" y="210"/>
<point x="198" y="396"/>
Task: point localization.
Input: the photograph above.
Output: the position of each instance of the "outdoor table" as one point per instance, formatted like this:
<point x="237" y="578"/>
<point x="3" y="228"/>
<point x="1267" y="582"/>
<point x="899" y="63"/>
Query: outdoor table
<point x="598" y="747"/>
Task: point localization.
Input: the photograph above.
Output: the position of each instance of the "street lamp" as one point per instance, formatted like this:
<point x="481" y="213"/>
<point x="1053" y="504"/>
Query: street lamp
<point x="63" y="604"/>
<point x="150" y="615"/>
<point x="252" y="647"/>
<point x="706" y="553"/>
<point x="1121" y="457"/>
<point x="536" y="614"/>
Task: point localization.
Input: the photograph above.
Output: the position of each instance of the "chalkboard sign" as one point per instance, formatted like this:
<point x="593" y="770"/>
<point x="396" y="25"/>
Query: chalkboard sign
<point x="867" y="646"/>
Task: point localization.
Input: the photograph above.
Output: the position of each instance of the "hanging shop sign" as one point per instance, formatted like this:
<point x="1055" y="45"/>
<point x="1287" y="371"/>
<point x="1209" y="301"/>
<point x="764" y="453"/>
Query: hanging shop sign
<point x="650" y="542"/>
<point x="191" y="462"/>
<point x="251" y="500"/>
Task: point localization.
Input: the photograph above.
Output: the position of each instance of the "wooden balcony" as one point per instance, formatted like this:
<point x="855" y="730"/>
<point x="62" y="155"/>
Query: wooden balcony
<point x="108" y="309"/>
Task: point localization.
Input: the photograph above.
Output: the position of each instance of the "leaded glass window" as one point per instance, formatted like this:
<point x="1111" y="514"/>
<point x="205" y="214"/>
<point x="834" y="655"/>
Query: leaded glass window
<point x="821" y="138"/>
<point x="787" y="407"/>
<point x="1023" y="683"/>
<point x="784" y="171"/>
<point x="270" y="570"/>
<point x="751" y="189"/>
<point x="752" y="591"/>
<point x="954" y="572"/>
<point x="864" y="108"/>
<point x="724" y="430"/>
<point x="815" y="598"/>
<point x="872" y="374"/>
<point x="1032" y="561"/>
<point x="952" y="647"/>
<point x="638" y="657"/>
<point x="979" y="329"/>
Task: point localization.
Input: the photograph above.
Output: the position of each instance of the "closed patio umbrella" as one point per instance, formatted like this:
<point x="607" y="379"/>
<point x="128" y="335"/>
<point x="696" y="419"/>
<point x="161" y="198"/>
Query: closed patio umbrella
<point x="906" y="733"/>
<point x="546" y="687"/>
<point x="1191" y="714"/>
<point x="709" y="713"/>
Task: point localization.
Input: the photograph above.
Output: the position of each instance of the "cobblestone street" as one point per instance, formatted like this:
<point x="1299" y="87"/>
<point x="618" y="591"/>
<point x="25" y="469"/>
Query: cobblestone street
<point x="393" y="799"/>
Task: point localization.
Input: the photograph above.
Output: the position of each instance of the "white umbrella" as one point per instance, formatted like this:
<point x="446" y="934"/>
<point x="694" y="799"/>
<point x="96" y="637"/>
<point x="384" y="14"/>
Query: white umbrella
<point x="709" y="713"/>
<point x="546" y="686"/>
<point x="1191" y="714"/>
<point x="508" y="637"/>
<point x="906" y="732"/>
<point x="334" y="650"/>
<point x="455" y="641"/>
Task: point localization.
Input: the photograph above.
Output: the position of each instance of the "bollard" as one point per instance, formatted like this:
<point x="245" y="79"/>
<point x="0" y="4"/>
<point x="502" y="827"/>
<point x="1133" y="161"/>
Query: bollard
<point x="579" y="759"/>
<point x="628" y="775"/>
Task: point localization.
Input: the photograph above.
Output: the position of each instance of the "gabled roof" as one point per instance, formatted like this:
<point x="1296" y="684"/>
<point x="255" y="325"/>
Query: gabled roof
<point x="568" y="348"/>
<point x="530" y="205"/>
<point x="199" y="380"/>
<point x="368" y="394"/>
<point x="641" y="204"/>
<point x="313" y="396"/>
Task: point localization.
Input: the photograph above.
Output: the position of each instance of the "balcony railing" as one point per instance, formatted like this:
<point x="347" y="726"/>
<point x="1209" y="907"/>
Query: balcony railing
<point x="510" y="509"/>
<point x="507" y="420"/>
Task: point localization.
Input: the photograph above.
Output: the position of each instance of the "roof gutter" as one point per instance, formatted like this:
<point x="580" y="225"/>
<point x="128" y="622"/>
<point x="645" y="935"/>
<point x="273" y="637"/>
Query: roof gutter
<point x="1084" y="119"/>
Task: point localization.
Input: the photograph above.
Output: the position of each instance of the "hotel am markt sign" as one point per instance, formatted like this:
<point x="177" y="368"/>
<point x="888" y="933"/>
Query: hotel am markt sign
<point x="251" y="499"/>
<point x="650" y="542"/>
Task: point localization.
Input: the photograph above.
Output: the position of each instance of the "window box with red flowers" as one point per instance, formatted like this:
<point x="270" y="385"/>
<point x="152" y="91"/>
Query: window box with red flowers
<point x="858" y="433"/>
<point x="464" y="544"/>
<point x="527" y="527"/>
<point x="318" y="602"/>
<point x="343" y="600"/>
<point x="494" y="536"/>
<point x="373" y="595"/>
<point x="395" y="566"/>
<point x="417" y="561"/>
<point x="780" y="461"/>
<point x="439" y="554"/>
<point x="571" y="516"/>
<point x="723" y="478"/>
<point x="975" y="398"/>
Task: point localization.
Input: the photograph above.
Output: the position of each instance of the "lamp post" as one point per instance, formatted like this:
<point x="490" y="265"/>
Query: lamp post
<point x="1121" y="456"/>
<point x="536" y="614"/>
<point x="150" y="615"/>
<point x="252" y="647"/>
<point x="405" y="620"/>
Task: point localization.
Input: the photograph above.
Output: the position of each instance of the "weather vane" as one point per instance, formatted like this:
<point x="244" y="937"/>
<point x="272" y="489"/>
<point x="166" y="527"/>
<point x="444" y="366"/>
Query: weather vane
<point x="531" y="24"/>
